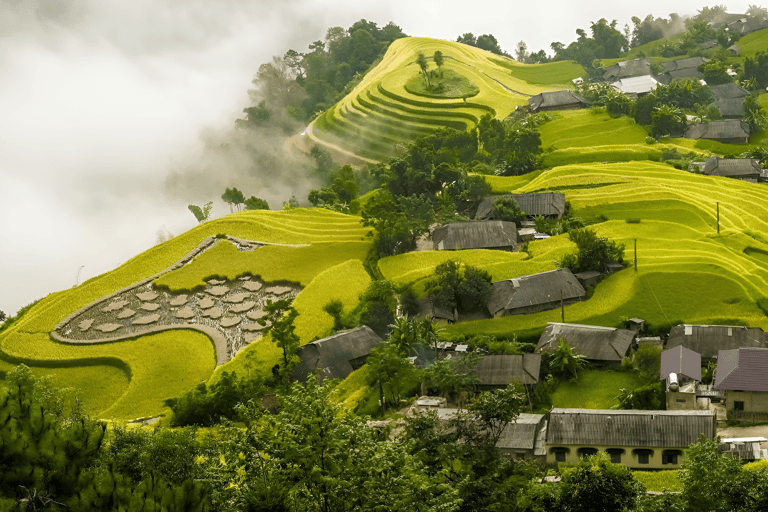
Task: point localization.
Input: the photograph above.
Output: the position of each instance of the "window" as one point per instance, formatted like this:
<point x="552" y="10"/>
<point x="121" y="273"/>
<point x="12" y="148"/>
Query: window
<point x="680" y="400"/>
<point x="643" y="456"/>
<point x="586" y="452"/>
<point x="669" y="456"/>
<point x="615" y="454"/>
<point x="738" y="405"/>
<point x="560" y="454"/>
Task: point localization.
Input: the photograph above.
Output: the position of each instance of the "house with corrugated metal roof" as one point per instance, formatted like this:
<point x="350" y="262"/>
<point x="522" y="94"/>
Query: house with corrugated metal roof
<point x="628" y="69"/>
<point x="534" y="293"/>
<point x="681" y="370"/>
<point x="486" y="234"/>
<point x="745" y="169"/>
<point x="729" y="98"/>
<point x="546" y="204"/>
<point x="557" y="100"/>
<point x="707" y="340"/>
<point x="636" y="86"/>
<point x="730" y="131"/>
<point x="637" y="439"/>
<point x="743" y="375"/>
<point x="525" y="437"/>
<point x="599" y="345"/>
<point x="337" y="356"/>
<point x="497" y="371"/>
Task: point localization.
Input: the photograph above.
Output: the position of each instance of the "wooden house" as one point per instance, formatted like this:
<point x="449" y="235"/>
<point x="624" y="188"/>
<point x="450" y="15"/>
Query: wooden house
<point x="730" y="131"/>
<point x="525" y="437"/>
<point x="743" y="374"/>
<point x="599" y="345"/>
<point x="497" y="371"/>
<point x="557" y="100"/>
<point x="729" y="98"/>
<point x="337" y="356"/>
<point x="707" y="340"/>
<point x="546" y="204"/>
<point x="533" y="293"/>
<point x="628" y="69"/>
<point x="745" y="169"/>
<point x="488" y="234"/>
<point x="685" y="68"/>
<point x="637" y="439"/>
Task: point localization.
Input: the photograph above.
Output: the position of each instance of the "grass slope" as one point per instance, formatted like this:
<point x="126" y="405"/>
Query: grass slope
<point x="132" y="378"/>
<point x="594" y="389"/>
<point x="386" y="108"/>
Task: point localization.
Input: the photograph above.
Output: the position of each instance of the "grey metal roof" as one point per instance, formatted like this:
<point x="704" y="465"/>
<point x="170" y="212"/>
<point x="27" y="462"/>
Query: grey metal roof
<point x="332" y="356"/>
<point x="554" y="99"/>
<point x="732" y="167"/>
<point x="521" y="433"/>
<point x="630" y="428"/>
<point x="729" y="90"/>
<point x="689" y="63"/>
<point x="731" y="107"/>
<point x="486" y="234"/>
<point x="501" y="369"/>
<point x="681" y="361"/>
<point x="719" y="130"/>
<point x="707" y="340"/>
<point x="743" y="369"/>
<point x="628" y="68"/>
<point x="543" y="203"/>
<point x="593" y="342"/>
<point x="636" y="84"/>
<point x="686" y="73"/>
<point x="534" y="289"/>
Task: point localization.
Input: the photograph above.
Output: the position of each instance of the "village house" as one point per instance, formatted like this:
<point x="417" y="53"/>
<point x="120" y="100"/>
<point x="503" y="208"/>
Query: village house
<point x="525" y="438"/>
<point x="637" y="439"/>
<point x="707" y="340"/>
<point x="681" y="371"/>
<point x="546" y="204"/>
<point x="599" y="345"/>
<point x="730" y="131"/>
<point x="628" y="69"/>
<point x="743" y="375"/>
<point x="637" y="86"/>
<point x="745" y="169"/>
<point x="557" y="100"/>
<point x="685" y="68"/>
<point x="729" y="98"/>
<point x="337" y="356"/>
<point x="534" y="293"/>
<point x="488" y="234"/>
<point x="497" y="371"/>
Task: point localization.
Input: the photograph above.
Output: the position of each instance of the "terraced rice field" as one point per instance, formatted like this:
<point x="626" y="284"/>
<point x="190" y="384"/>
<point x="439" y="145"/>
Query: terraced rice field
<point x="687" y="272"/>
<point x="132" y="378"/>
<point x="380" y="113"/>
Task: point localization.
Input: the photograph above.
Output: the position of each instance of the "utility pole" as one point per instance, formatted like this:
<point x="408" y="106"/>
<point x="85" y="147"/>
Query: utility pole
<point x="562" y="308"/>
<point x="718" y="217"/>
<point x="635" y="254"/>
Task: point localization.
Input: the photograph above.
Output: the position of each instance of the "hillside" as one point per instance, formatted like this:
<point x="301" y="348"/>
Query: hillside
<point x="385" y="109"/>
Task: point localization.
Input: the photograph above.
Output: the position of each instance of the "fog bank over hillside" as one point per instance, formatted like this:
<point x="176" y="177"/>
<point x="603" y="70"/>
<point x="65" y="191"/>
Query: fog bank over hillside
<point x="116" y="115"/>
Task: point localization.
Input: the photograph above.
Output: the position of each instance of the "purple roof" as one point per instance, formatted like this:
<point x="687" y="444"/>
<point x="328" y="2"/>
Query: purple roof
<point x="742" y="369"/>
<point x="682" y="361"/>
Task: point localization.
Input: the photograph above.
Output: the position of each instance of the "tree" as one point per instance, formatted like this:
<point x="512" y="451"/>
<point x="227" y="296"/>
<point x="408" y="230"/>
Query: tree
<point x="409" y="302"/>
<point x="618" y="104"/>
<point x="521" y="52"/>
<point x="474" y="290"/>
<point x="598" y="485"/>
<point x="644" y="107"/>
<point x="233" y="197"/>
<point x="564" y="363"/>
<point x="439" y="61"/>
<point x="507" y="209"/>
<point x="754" y="114"/>
<point x="521" y="148"/>
<point x="201" y="214"/>
<point x="648" y="397"/>
<point x="421" y="61"/>
<point x="667" y="120"/>
<point x="715" y="72"/>
<point x="377" y="306"/>
<point x="335" y="308"/>
<point x="398" y="221"/>
<point x="592" y="252"/>
<point x="255" y="203"/>
<point x="3" y="316"/>
<point x="707" y="476"/>
<point x="489" y="43"/>
<point x="452" y="376"/>
<point x="468" y="39"/>
<point x="322" y="197"/>
<point x="281" y="316"/>
<point x="387" y="367"/>
<point x="451" y="289"/>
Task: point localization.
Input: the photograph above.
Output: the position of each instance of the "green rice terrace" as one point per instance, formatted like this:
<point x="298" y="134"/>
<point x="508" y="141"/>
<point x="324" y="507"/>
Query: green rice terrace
<point x="186" y="310"/>
<point x="390" y="106"/>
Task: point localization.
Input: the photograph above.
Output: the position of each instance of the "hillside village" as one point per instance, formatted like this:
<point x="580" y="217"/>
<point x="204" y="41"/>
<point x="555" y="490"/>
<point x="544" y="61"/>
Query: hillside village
<point x="531" y="283"/>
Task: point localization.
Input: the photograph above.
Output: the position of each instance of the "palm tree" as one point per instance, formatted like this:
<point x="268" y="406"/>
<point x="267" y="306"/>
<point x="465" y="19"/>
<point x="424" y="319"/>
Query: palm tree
<point x="565" y="362"/>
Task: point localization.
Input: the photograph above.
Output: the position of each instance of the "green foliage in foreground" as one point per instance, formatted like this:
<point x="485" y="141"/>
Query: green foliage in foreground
<point x="660" y="481"/>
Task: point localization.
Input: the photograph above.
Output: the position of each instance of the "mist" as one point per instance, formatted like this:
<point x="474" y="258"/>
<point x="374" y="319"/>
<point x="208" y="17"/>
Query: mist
<point x="117" y="115"/>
